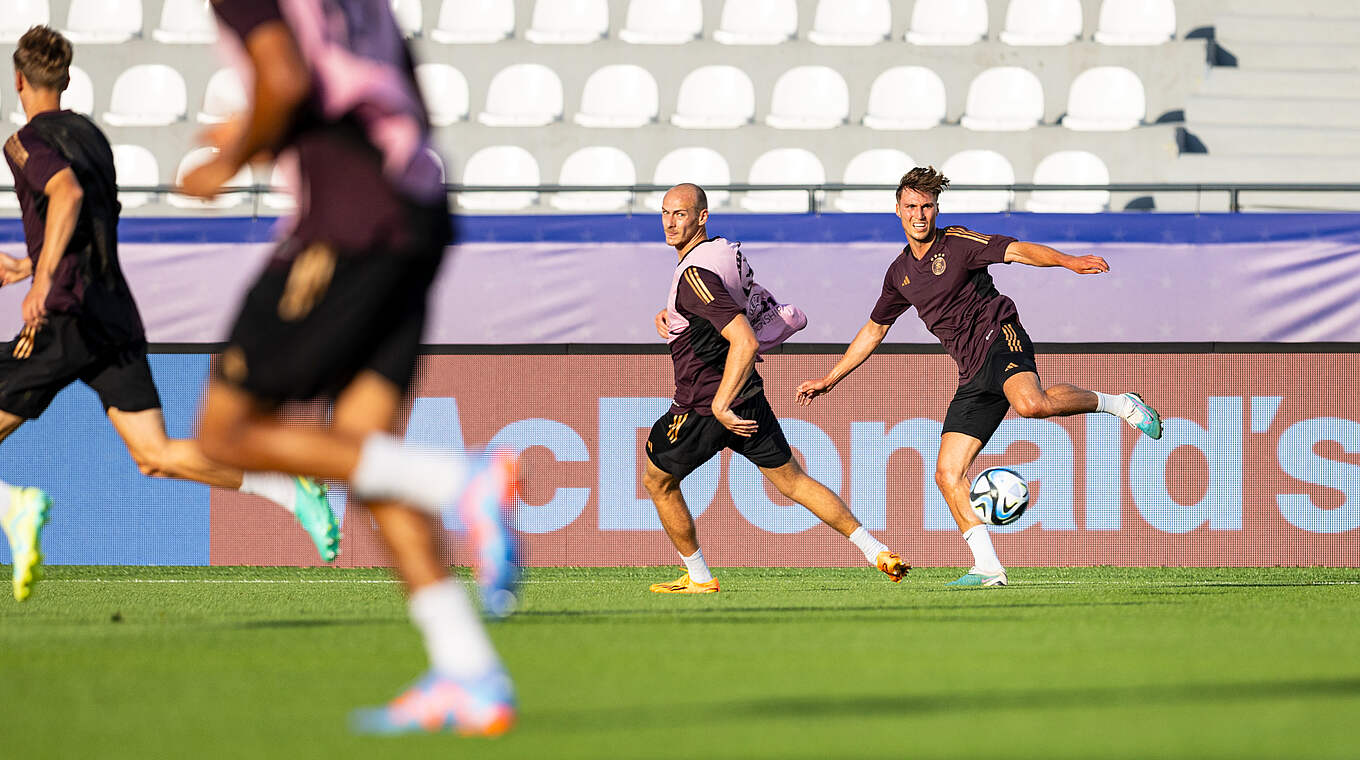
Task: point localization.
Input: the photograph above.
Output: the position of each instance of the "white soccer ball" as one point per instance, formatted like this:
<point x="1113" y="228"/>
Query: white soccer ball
<point x="999" y="495"/>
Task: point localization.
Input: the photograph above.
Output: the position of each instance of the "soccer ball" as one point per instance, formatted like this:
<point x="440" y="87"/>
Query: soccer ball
<point x="999" y="495"/>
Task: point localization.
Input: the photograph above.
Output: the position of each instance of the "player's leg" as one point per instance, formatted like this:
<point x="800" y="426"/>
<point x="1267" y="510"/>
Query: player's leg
<point x="957" y="453"/>
<point x="677" y="444"/>
<point x="23" y="513"/>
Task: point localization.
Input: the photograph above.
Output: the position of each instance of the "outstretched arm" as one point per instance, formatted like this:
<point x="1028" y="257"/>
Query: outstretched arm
<point x="741" y="362"/>
<point x="1039" y="255"/>
<point x="866" y="340"/>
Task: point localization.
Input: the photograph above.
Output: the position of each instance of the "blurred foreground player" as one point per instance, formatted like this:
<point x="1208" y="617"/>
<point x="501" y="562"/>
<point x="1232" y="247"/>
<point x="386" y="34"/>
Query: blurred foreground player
<point x="720" y="399"/>
<point x="80" y="322"/>
<point x="338" y="313"/>
<point x="943" y="273"/>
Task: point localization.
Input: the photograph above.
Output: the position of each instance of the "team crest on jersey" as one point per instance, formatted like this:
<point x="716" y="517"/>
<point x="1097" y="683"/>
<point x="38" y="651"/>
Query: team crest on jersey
<point x="937" y="265"/>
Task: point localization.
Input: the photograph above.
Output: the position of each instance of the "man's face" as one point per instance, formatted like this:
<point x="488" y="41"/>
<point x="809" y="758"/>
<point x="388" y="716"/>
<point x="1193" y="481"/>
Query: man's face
<point x="680" y="220"/>
<point x="917" y="210"/>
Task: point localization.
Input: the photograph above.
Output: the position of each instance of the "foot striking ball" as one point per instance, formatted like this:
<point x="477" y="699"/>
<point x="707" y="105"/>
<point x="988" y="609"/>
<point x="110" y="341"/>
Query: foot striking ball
<point x="999" y="495"/>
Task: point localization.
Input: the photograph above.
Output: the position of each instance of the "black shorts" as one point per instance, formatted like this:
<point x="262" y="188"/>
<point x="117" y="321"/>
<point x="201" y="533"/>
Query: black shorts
<point x="680" y="443"/>
<point x="980" y="404"/>
<point x="33" y="372"/>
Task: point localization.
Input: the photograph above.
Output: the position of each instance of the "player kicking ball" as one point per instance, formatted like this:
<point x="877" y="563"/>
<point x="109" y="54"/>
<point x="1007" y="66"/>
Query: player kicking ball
<point x="80" y="321"/>
<point x="720" y="399"/>
<point x="943" y="273"/>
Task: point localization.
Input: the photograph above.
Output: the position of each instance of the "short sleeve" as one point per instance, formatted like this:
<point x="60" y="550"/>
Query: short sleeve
<point x="978" y="250"/>
<point x="243" y="16"/>
<point x="36" y="161"/>
<point x="891" y="303"/>
<point x="702" y="294"/>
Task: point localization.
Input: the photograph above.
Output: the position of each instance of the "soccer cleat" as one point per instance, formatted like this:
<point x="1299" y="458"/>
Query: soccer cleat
<point x="683" y="585"/>
<point x="486" y="504"/>
<point x="893" y="565"/>
<point x="1144" y="417"/>
<point x="978" y="580"/>
<point x="23" y="523"/>
<point x="313" y="511"/>
<point x="438" y="703"/>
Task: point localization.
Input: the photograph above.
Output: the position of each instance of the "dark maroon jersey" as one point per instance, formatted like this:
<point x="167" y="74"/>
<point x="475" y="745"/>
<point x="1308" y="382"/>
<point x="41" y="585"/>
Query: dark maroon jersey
<point x="700" y="352"/>
<point x="952" y="292"/>
<point x="33" y="163"/>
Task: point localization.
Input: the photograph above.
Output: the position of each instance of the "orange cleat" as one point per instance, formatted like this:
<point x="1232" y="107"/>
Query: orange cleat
<point x="893" y="565"/>
<point x="683" y="585"/>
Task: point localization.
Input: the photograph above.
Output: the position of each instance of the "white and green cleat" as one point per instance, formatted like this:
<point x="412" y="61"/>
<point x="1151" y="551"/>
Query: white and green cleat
<point x="978" y="580"/>
<point x="1144" y="417"/>
<point x="23" y="523"/>
<point x="314" y="514"/>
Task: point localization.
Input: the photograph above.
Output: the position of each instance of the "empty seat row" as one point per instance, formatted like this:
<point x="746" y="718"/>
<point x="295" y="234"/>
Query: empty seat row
<point x="112" y="21"/>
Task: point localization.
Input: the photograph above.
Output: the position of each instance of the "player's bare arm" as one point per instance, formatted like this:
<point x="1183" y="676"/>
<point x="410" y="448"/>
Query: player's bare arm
<point x="866" y="341"/>
<point x="64" y="197"/>
<point x="1039" y="255"/>
<point x="14" y="269"/>
<point x="663" y="323"/>
<point x="741" y="362"/>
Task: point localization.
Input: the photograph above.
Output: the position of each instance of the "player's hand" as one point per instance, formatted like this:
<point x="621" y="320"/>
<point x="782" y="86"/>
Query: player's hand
<point x="35" y="303"/>
<point x="207" y="180"/>
<point x="730" y="420"/>
<point x="14" y="270"/>
<point x="1088" y="265"/>
<point x="810" y="389"/>
<point x="663" y="323"/>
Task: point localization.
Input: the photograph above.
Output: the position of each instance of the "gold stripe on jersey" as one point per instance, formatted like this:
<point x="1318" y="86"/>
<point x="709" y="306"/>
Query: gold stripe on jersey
<point x="677" y="422"/>
<point x="968" y="234"/>
<point x="700" y="289"/>
<point x="16" y="151"/>
<point x="1012" y="340"/>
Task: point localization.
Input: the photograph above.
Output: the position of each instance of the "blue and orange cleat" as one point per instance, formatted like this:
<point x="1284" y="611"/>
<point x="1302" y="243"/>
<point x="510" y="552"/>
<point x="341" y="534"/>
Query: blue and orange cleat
<point x="314" y="514"/>
<point x="438" y="703"/>
<point x="23" y="523"/>
<point x="1144" y="417"/>
<point x="486" y="508"/>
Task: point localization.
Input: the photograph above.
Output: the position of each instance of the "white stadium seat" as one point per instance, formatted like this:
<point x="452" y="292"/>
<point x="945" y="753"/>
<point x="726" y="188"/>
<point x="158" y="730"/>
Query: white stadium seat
<point x="186" y="22"/>
<point x="16" y="16"/>
<point x="474" y="21"/>
<point x="906" y="97"/>
<point x="1136" y="22"/>
<point x="135" y="166"/>
<point x="715" y="97"/>
<point x="410" y="17"/>
<point x="977" y="167"/>
<point x="701" y="166"/>
<point x="280" y="195"/>
<point x="147" y="95"/>
<point x="851" y="22"/>
<point x="500" y="165"/>
<point x="523" y="95"/>
<point x="1105" y="99"/>
<point x="619" y="96"/>
<point x="757" y="22"/>
<point x="103" y="22"/>
<point x="568" y="22"/>
<point x="445" y="91"/>
<point x="596" y="165"/>
<point x="948" y="22"/>
<point x="1042" y="22"/>
<point x="783" y="166"/>
<point x="1070" y="167"/>
<point x="879" y="166"/>
<point x="223" y="98"/>
<point x="1004" y="99"/>
<point x="809" y="97"/>
<point x="195" y="158"/>
<point x="663" y="22"/>
<point x="78" y="96"/>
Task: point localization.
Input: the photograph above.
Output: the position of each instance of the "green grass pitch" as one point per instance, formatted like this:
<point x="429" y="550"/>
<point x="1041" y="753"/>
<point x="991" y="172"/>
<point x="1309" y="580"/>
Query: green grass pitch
<point x="1065" y="663"/>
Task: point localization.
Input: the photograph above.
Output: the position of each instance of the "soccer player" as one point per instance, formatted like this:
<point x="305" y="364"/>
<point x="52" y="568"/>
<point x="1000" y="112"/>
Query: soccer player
<point x="80" y="322"/>
<point x="944" y="274"/>
<point x="338" y="314"/>
<point x="720" y="399"/>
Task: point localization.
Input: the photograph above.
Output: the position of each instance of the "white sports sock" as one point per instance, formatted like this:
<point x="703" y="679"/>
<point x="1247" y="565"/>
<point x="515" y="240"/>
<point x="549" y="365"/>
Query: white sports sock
<point x="1117" y="404"/>
<point x="454" y="638"/>
<point x="388" y="470"/>
<point x="698" y="568"/>
<point x="865" y="542"/>
<point x="985" y="561"/>
<point x="275" y="486"/>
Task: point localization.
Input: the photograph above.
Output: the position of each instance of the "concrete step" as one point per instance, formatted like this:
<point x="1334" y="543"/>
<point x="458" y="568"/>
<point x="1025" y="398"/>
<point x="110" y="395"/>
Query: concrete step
<point x="1231" y="81"/>
<point x="1266" y="166"/>
<point x="1314" y="30"/>
<point x="1271" y="55"/>
<point x="1299" y="112"/>
<point x="1223" y="140"/>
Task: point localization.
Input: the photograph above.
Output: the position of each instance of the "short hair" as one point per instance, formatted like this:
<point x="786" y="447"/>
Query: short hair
<point x="700" y="197"/>
<point x="43" y="56"/>
<point x="922" y="179"/>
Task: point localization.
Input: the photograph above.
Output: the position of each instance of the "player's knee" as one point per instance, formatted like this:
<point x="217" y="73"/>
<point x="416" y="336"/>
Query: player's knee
<point x="947" y="478"/>
<point x="657" y="482"/>
<point x="1030" y="407"/>
<point x="151" y="463"/>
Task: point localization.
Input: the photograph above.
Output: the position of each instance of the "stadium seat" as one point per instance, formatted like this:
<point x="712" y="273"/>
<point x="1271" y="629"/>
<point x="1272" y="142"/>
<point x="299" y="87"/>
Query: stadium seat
<point x="523" y="95"/>
<point x="809" y="97"/>
<point x="906" y="97"/>
<point x="702" y="166"/>
<point x="757" y="22"/>
<point x="1070" y="167"/>
<point x="596" y="165"/>
<point x="445" y="91"/>
<point x="1105" y="99"/>
<point x="879" y="166"/>
<point x="1004" y="99"/>
<point x="186" y="22"/>
<point x="147" y="95"/>
<point x="410" y="17"/>
<point x="78" y="97"/>
<point x="956" y="22"/>
<point x="663" y="22"/>
<point x="103" y="22"/>
<point x="715" y="97"/>
<point x="135" y="166"/>
<point x="1042" y="22"/>
<point x="280" y="196"/>
<point x="16" y="16"/>
<point x="977" y="167"/>
<point x="1136" y="22"/>
<point x="568" y="22"/>
<point x="783" y="166"/>
<point x="223" y="98"/>
<point x="619" y="95"/>
<point x="474" y="21"/>
<point x="500" y="165"/>
<point x="851" y="22"/>
<point x="195" y="158"/>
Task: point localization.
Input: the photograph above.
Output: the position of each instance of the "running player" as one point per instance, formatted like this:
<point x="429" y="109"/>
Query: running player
<point x="719" y="399"/>
<point x="338" y="314"/>
<point x="944" y="274"/>
<point x="80" y="322"/>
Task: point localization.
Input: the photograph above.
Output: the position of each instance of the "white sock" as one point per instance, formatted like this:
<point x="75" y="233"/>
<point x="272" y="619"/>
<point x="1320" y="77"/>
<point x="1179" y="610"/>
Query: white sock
<point x="979" y="542"/>
<point x="865" y="542"/>
<point x="454" y="638"/>
<point x="390" y="471"/>
<point x="275" y="486"/>
<point x="698" y="568"/>
<point x="1117" y="404"/>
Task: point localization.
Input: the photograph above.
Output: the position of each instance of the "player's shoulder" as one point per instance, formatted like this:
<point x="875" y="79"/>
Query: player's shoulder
<point x="961" y="233"/>
<point x="20" y="144"/>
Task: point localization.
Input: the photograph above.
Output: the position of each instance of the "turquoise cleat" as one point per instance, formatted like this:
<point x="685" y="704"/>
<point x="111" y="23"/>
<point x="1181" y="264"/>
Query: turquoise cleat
<point x="313" y="511"/>
<point x="978" y="580"/>
<point x="1144" y="417"/>
<point x="438" y="703"/>
<point x="486" y="508"/>
<point x="23" y="523"/>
